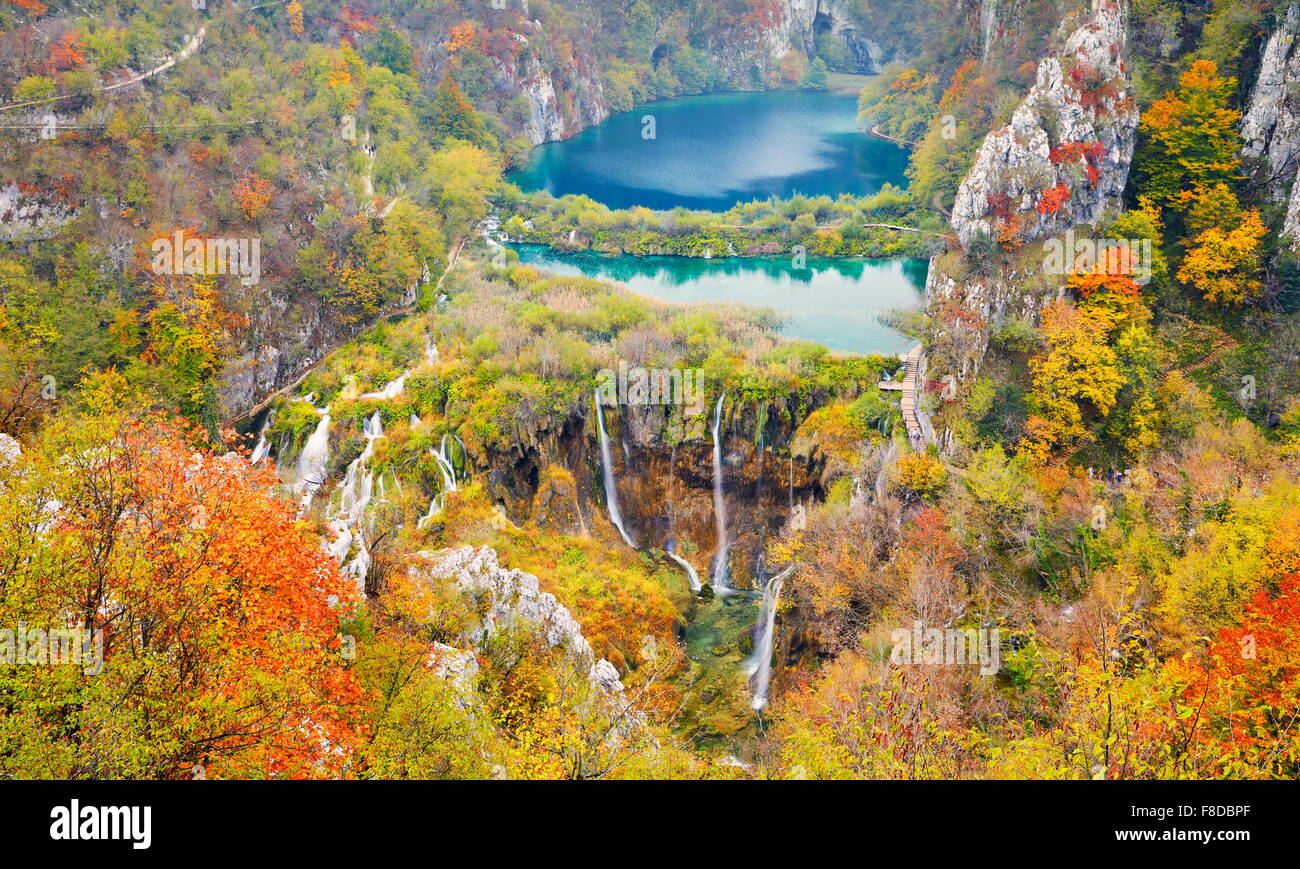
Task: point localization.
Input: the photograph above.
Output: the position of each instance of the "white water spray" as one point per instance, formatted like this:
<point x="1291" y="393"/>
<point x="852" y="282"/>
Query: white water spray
<point x="760" y="666"/>
<point x="311" y="462"/>
<point x="261" y="449"/>
<point x="448" y="471"/>
<point x="719" y="505"/>
<point x="691" y="576"/>
<point x="391" y="390"/>
<point x="355" y="494"/>
<point x="607" y="476"/>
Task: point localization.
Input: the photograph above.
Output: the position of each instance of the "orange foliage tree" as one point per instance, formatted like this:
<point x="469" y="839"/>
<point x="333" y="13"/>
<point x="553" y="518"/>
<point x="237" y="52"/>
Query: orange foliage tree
<point x="219" y="617"/>
<point x="1246" y="697"/>
<point x="253" y="193"/>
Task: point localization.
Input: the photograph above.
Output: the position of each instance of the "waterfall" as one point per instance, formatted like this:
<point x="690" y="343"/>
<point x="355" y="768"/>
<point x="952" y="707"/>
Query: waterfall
<point x="430" y="351"/>
<point x="719" y="506"/>
<point x="355" y="494"/>
<point x="607" y="475"/>
<point x="391" y="390"/>
<point x="262" y="447"/>
<point x="760" y="665"/>
<point x="415" y="422"/>
<point x="691" y="575"/>
<point x="312" y="460"/>
<point x="448" y="471"/>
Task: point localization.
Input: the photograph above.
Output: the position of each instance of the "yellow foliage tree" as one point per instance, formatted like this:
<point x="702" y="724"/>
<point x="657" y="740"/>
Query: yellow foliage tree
<point x="1224" y="265"/>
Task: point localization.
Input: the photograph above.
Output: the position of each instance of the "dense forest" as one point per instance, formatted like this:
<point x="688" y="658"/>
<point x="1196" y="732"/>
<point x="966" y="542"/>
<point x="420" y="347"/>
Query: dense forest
<point x="326" y="471"/>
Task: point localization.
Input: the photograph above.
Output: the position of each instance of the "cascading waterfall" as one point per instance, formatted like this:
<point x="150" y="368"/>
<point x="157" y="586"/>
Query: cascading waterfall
<point x="312" y="460"/>
<point x="691" y="576"/>
<point x="719" y="505"/>
<point x="760" y="666"/>
<point x="415" y="422"/>
<point x="448" y="471"/>
<point x="355" y="494"/>
<point x="391" y="390"/>
<point x="261" y="449"/>
<point x="607" y="476"/>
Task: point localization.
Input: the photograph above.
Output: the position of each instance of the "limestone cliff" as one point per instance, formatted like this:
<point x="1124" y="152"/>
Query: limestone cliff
<point x="1064" y="158"/>
<point x="553" y="112"/>
<point x="507" y="599"/>
<point x="1270" y="127"/>
<point x="1061" y="163"/>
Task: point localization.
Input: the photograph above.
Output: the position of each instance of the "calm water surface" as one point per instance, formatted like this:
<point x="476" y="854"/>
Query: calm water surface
<point x="835" y="302"/>
<point x="710" y="152"/>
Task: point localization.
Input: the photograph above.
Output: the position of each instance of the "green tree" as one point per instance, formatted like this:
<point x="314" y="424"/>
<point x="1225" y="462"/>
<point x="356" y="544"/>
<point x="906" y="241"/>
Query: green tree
<point x="455" y="118"/>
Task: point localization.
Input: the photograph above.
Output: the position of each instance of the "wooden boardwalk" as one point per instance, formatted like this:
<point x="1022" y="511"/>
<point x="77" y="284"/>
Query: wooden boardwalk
<point x="908" y="387"/>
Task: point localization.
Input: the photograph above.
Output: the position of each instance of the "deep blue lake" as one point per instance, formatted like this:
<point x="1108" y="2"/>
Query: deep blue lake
<point x="710" y="152"/>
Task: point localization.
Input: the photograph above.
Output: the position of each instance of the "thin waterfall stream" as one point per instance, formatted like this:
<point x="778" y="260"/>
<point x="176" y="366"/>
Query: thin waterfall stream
<point x="607" y="476"/>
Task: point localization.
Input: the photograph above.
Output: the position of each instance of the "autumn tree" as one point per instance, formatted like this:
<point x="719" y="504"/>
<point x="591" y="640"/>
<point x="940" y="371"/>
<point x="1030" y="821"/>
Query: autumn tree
<point x="1247" y="694"/>
<point x="459" y="178"/>
<point x="1075" y="379"/>
<point x="221" y="621"/>
<point x="454" y="117"/>
<point x="1225" y="264"/>
<point x="1190" y="137"/>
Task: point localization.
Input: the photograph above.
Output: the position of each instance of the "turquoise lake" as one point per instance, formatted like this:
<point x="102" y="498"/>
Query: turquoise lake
<point x="710" y="152"/>
<point x="835" y="302"/>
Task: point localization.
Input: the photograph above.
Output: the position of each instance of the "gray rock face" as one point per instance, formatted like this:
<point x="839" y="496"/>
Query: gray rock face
<point x="1271" y="126"/>
<point x="795" y="26"/>
<point x="459" y="668"/>
<point x="1074" y="134"/>
<point x="547" y="120"/>
<point x="959" y="344"/>
<point x="27" y="215"/>
<point x="513" y="597"/>
<point x="10" y="449"/>
<point x="252" y="375"/>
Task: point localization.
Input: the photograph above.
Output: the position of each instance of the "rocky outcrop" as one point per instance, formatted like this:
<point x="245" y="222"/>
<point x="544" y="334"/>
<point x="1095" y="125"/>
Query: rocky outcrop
<point x="252" y="375"/>
<point x="966" y="310"/>
<point x="512" y="598"/>
<point x="31" y="213"/>
<point x="760" y="42"/>
<point x="1064" y="158"/>
<point x="459" y="667"/>
<point x="553" y="112"/>
<point x="1271" y="126"/>
<point x="289" y="331"/>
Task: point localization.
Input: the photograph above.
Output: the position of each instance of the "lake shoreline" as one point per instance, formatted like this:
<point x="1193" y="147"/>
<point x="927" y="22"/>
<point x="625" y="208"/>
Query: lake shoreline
<point x="835" y="302"/>
<point x="713" y="151"/>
